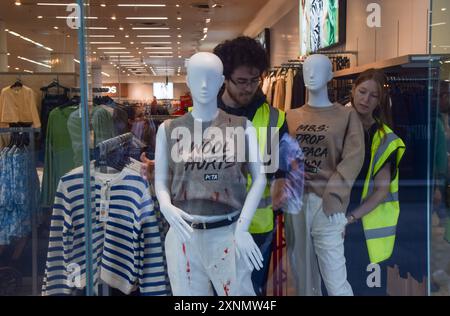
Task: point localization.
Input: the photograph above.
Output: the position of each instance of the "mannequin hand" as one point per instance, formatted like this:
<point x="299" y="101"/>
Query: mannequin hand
<point x="176" y="219"/>
<point x="338" y="219"/>
<point x="246" y="246"/>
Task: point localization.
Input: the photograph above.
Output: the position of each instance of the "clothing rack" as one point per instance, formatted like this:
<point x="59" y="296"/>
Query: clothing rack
<point x="34" y="234"/>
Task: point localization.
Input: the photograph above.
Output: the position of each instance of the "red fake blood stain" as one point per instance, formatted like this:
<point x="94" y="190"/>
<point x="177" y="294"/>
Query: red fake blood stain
<point x="188" y="265"/>
<point x="226" y="288"/>
<point x="226" y="251"/>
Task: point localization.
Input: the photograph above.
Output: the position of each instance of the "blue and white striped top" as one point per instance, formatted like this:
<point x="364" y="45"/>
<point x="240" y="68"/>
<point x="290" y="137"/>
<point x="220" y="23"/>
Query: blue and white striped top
<point x="127" y="249"/>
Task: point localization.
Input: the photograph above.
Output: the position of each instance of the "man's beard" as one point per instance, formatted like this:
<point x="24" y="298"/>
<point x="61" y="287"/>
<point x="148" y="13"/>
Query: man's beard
<point x="236" y="99"/>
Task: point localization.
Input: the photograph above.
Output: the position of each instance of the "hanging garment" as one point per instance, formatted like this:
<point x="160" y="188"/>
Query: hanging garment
<point x="101" y="126"/>
<point x="19" y="192"/>
<point x="59" y="155"/>
<point x="280" y="90"/>
<point x="289" y="82"/>
<point x="49" y="103"/>
<point x="266" y="85"/>
<point x="18" y="105"/>
<point x="298" y="91"/>
<point x="127" y="251"/>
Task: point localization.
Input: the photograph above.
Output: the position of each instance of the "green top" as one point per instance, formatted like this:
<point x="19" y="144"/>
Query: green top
<point x="58" y="153"/>
<point x="101" y="125"/>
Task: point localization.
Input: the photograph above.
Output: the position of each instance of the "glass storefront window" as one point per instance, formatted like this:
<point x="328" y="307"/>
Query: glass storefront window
<point x="95" y="194"/>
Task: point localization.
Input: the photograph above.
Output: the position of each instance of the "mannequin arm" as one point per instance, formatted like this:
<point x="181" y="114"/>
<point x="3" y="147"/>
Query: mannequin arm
<point x="337" y="191"/>
<point x="174" y="215"/>
<point x="245" y="245"/>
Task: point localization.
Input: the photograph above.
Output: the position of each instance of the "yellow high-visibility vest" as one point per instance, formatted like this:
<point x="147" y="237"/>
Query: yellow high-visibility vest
<point x="381" y="223"/>
<point x="265" y="118"/>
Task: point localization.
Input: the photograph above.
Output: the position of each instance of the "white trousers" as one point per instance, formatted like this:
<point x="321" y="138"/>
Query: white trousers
<point x="316" y="248"/>
<point x="208" y="257"/>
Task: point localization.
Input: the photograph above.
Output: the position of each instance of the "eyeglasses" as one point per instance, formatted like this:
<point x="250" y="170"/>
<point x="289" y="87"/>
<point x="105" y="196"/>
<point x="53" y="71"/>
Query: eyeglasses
<point x="242" y="83"/>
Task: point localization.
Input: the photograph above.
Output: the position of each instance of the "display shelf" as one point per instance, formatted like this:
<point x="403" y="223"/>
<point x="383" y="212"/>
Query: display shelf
<point x="406" y="61"/>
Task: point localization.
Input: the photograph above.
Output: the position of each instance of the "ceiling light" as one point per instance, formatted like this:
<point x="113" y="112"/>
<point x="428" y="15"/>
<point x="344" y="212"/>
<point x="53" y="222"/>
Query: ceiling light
<point x="140" y="53"/>
<point x="68" y="36"/>
<point x="177" y="5"/>
<point x="161" y="53"/>
<point x="105" y="74"/>
<point x="443" y="9"/>
<point x="103" y="5"/>
<point x="158" y="48"/>
<point x="127" y="36"/>
<point x="53" y="4"/>
<point x="152" y="56"/>
<point x="121" y="28"/>
<point x="40" y="17"/>
<point x="76" y="60"/>
<point x="179" y="56"/>
<point x="113" y="18"/>
<point x="18" y="3"/>
<point x="29" y="71"/>
<point x="34" y="62"/>
<point x="117" y="53"/>
<point x="141" y="5"/>
<point x="97" y="28"/>
<point x="111" y="48"/>
<point x="437" y="24"/>
<point x="145" y="18"/>
<point x="75" y="17"/>
<point x="179" y="18"/>
<point x="156" y="42"/>
<point x="205" y="30"/>
<point x="29" y="40"/>
<point x="17" y="68"/>
<point x="153" y="36"/>
<point x="55" y="27"/>
<point x="179" y="36"/>
<point x="151" y="28"/>
<point x="106" y="43"/>
<point x="98" y="36"/>
<point x="208" y="20"/>
<point x="8" y="54"/>
<point x="132" y="43"/>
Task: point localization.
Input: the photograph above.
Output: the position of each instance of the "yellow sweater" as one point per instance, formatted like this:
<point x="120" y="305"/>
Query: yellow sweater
<point x="19" y="105"/>
<point x="332" y="140"/>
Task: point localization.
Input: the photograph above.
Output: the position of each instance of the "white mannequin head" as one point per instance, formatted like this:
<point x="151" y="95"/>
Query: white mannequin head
<point x="204" y="78"/>
<point x="317" y="72"/>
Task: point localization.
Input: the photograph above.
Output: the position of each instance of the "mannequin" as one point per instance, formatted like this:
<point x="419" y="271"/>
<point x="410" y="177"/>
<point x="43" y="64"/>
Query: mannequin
<point x="332" y="139"/>
<point x="197" y="255"/>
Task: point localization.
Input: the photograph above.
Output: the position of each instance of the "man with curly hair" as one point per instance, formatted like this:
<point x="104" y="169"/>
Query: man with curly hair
<point x="245" y="62"/>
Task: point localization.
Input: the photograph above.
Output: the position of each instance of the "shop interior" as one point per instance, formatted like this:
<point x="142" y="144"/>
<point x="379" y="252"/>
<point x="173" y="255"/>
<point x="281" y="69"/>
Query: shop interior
<point x="136" y="54"/>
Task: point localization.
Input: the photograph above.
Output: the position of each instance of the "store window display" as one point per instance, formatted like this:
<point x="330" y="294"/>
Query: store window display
<point x="332" y="139"/>
<point x="209" y="215"/>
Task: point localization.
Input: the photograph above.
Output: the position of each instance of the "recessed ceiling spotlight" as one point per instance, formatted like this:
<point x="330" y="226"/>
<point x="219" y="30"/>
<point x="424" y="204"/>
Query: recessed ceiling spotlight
<point x="55" y="27"/>
<point x="179" y="18"/>
<point x="121" y="28"/>
<point x="179" y="36"/>
<point x="103" y="5"/>
<point x="132" y="43"/>
<point x="127" y="36"/>
<point x="40" y="17"/>
<point x="18" y="3"/>
<point x="444" y="9"/>
<point x="113" y="18"/>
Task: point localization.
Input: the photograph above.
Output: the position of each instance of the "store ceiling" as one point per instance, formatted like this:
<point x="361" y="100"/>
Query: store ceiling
<point x="184" y="26"/>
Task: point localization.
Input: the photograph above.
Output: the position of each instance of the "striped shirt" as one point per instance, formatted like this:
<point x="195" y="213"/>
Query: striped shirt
<point x="127" y="248"/>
